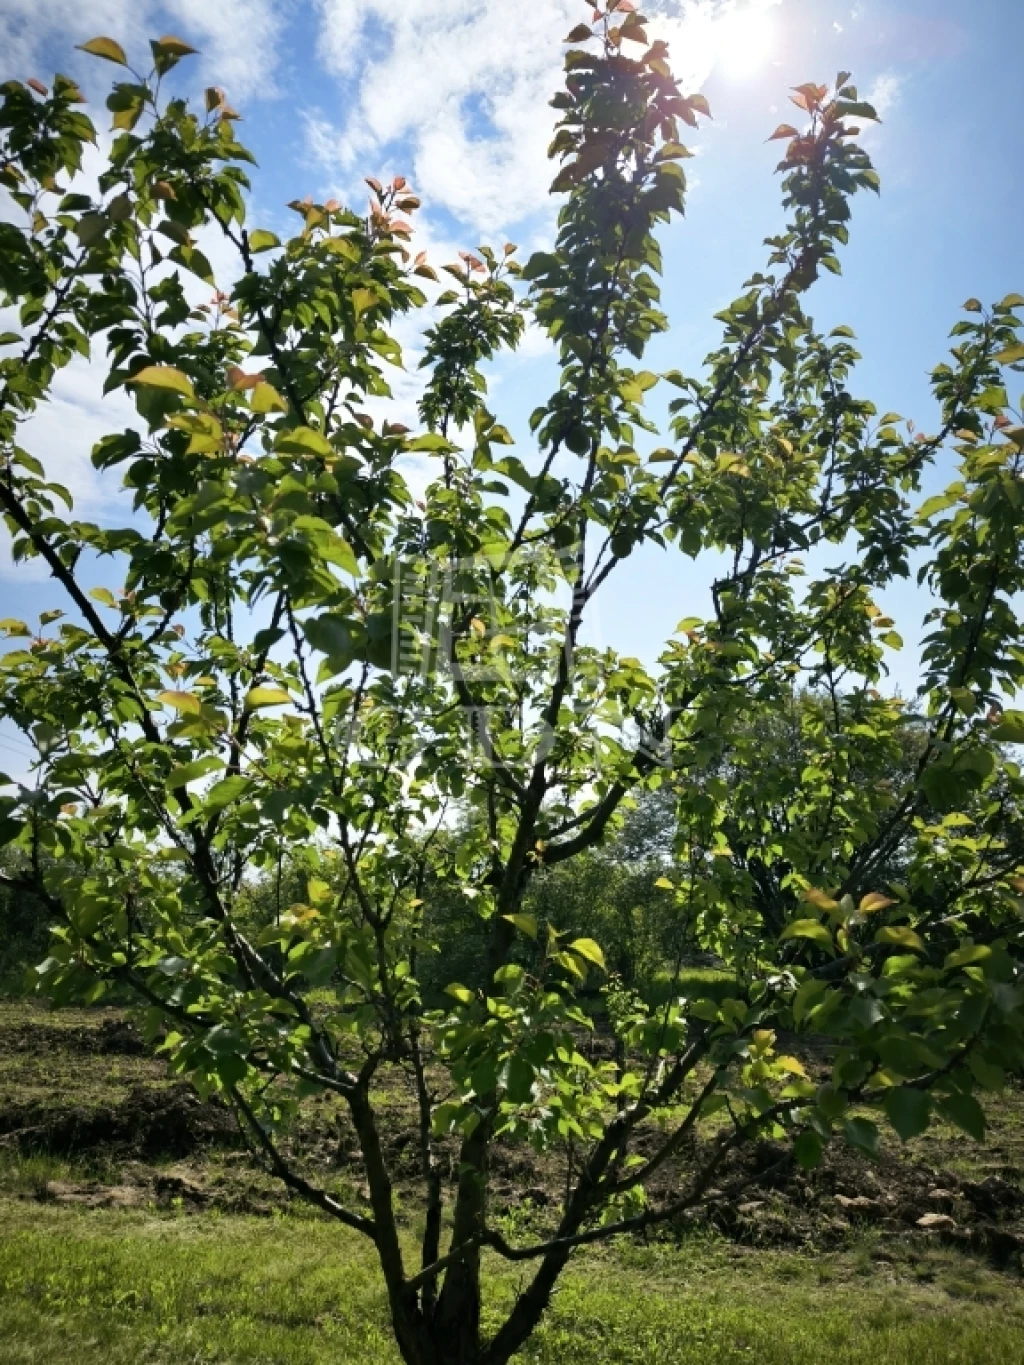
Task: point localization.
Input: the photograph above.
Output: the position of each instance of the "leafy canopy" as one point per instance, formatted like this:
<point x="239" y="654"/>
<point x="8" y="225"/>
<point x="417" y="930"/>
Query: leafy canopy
<point x="280" y="646"/>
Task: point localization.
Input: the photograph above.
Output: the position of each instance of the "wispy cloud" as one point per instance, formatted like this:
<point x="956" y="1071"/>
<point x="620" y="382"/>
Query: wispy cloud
<point x="885" y="92"/>
<point x="238" y="39"/>
<point x="458" y="90"/>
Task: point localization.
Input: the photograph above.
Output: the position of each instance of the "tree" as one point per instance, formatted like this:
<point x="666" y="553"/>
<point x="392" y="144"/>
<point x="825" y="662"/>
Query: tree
<point x="300" y="653"/>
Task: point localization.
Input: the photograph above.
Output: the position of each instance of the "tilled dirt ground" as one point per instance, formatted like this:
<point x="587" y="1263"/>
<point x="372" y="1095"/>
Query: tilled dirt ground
<point x="83" y="1087"/>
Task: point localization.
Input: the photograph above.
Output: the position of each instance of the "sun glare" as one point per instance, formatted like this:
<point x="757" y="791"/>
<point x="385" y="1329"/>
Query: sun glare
<point x="744" y="39"/>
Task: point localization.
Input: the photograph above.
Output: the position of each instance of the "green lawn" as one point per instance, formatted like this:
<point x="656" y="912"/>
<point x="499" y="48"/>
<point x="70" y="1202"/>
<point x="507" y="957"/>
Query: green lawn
<point x="128" y="1286"/>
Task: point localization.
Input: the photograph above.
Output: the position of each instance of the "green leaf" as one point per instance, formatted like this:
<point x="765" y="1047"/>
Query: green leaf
<point x="103" y="595"/>
<point x="900" y="936"/>
<point x="460" y="993"/>
<point x="91" y="228"/>
<point x="809" y="928"/>
<point x="589" y="951"/>
<point x="164" y="377"/>
<point x="908" y="1110"/>
<point x="171" y="46"/>
<point x="519" y="1081"/>
<point x="224" y="792"/>
<point x="232" y="1068"/>
<point x="107" y="48"/>
<point x="965" y="1112"/>
<point x="362" y="299"/>
<point x="1010" y="355"/>
<point x="526" y="924"/>
<point x="863" y="1134"/>
<point x="186" y="702"/>
<point x="262" y="240"/>
<point x="266" y="696"/>
<point x="265" y="398"/>
<point x="319" y="892"/>
<point x="192" y="772"/>
<point x="1010" y="729"/>
<point x="304" y="441"/>
<point x="808" y="1149"/>
<point x="968" y="956"/>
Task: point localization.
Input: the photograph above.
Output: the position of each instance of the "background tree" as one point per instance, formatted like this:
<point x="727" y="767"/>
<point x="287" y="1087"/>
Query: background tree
<point x="299" y="654"/>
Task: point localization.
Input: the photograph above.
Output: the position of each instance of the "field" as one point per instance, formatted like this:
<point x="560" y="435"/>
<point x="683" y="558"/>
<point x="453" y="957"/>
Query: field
<point x="132" y="1229"/>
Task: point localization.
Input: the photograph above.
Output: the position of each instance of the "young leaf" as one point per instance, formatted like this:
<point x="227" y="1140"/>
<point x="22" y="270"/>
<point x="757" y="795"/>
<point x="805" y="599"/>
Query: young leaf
<point x="590" y="951"/>
<point x="900" y="936"/>
<point x="164" y="377"/>
<point x="185" y="702"/>
<point x="176" y="47"/>
<point x="262" y="240"/>
<point x="105" y="47"/>
<point x="874" y="900"/>
<point x="266" y="696"/>
<point x="809" y="928"/>
<point x="460" y="993"/>
<point x="192" y="772"/>
<point x="526" y="924"/>
<point x="265" y="398"/>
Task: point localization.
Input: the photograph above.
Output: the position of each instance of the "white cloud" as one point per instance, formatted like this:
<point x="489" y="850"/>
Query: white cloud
<point x="886" y="91"/>
<point x="62" y="433"/>
<point x="459" y="90"/>
<point x="238" y="39"/>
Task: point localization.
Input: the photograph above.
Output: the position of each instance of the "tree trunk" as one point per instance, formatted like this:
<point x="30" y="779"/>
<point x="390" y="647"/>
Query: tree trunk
<point x="457" y="1316"/>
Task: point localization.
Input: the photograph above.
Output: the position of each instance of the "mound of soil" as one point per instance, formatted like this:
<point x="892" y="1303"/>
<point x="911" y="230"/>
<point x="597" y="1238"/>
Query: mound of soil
<point x="171" y="1121"/>
<point x="81" y="1082"/>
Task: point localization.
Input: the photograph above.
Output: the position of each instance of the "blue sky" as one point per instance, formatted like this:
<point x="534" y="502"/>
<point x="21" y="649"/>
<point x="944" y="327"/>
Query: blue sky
<point x="452" y="93"/>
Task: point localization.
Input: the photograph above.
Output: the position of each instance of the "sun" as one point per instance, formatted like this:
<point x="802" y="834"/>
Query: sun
<point x="744" y="40"/>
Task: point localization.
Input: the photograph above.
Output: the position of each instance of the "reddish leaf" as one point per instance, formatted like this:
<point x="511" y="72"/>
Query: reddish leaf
<point x="801" y="102"/>
<point x="783" y="130"/>
<point x="811" y="92"/>
<point x="37" y="86"/>
<point x="238" y="379"/>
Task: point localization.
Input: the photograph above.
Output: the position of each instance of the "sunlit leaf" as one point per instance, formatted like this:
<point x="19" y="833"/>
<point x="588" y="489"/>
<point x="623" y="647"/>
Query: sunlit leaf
<point x="105" y="47"/>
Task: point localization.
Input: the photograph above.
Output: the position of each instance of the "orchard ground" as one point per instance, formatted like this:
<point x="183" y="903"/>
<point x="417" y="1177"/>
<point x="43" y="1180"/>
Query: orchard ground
<point x="133" y="1227"/>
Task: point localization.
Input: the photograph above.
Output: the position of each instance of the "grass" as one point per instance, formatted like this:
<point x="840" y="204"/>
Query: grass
<point x="129" y="1286"/>
<point x="690" y="981"/>
<point x="157" y="1283"/>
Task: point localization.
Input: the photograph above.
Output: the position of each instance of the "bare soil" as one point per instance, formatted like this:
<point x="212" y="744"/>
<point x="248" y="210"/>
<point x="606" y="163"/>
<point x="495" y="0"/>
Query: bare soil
<point x="82" y="1086"/>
